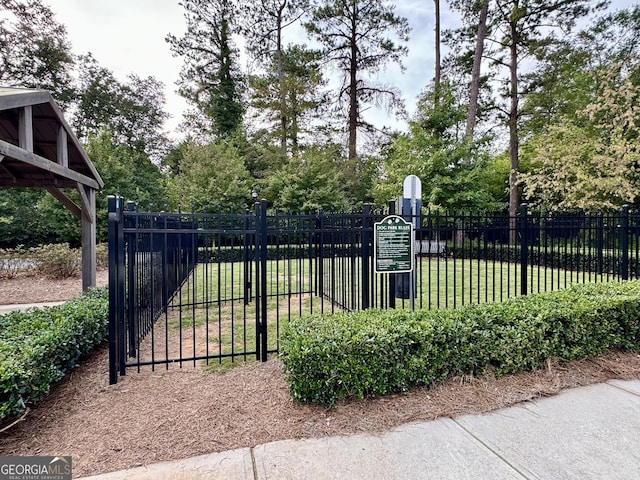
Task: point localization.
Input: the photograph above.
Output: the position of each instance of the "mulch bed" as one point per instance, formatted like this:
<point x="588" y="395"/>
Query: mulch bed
<point x="164" y="415"/>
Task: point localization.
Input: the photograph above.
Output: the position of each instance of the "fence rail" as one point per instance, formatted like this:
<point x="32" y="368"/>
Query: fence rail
<point x="187" y="287"/>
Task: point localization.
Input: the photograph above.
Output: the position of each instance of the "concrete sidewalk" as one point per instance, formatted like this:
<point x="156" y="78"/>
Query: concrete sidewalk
<point x="585" y="433"/>
<point x="25" y="306"/>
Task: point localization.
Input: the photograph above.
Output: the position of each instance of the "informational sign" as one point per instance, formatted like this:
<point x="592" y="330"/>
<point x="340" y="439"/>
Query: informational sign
<point x="393" y="245"/>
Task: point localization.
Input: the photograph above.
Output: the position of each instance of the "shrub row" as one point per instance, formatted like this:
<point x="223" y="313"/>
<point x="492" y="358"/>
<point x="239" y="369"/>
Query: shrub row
<point x="280" y="252"/>
<point x="13" y="261"/>
<point x="377" y="352"/>
<point x="53" y="260"/>
<point x="583" y="261"/>
<point x="38" y="346"/>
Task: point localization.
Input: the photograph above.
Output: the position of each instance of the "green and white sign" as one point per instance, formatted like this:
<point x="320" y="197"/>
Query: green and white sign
<point x="393" y="245"/>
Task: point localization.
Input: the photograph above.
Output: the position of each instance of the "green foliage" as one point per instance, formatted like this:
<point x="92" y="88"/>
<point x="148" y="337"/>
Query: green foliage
<point x="287" y="99"/>
<point x="310" y="180"/>
<point x="376" y="352"/>
<point x="35" y="50"/>
<point x="132" y="110"/>
<point x="212" y="174"/>
<point x="125" y="171"/>
<point x="57" y="260"/>
<point x="589" y="161"/>
<point x="452" y="169"/>
<point x="210" y="79"/>
<point x="39" y="346"/>
<point x="31" y="217"/>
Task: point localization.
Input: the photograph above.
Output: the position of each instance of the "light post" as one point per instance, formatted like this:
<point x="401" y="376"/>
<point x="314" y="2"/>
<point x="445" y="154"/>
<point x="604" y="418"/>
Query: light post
<point x="254" y="195"/>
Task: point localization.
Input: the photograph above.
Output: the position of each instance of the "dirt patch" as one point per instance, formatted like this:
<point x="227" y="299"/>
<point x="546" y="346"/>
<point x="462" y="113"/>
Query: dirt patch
<point x="163" y="415"/>
<point x="28" y="287"/>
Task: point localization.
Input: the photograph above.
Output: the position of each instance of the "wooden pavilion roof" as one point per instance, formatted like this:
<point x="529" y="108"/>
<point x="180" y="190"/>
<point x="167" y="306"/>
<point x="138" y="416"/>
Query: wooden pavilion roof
<point x="37" y="146"/>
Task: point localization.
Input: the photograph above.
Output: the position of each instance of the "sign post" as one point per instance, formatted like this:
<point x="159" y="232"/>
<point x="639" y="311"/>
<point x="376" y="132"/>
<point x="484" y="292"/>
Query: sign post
<point x="411" y="204"/>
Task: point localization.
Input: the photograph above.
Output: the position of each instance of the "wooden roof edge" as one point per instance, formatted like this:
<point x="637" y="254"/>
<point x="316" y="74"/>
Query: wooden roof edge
<point x="76" y="142"/>
<point x="12" y="97"/>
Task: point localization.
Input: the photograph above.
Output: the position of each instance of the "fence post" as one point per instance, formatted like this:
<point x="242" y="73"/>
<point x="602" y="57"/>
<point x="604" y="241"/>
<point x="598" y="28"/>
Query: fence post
<point x="132" y="273"/>
<point x="524" y="250"/>
<point x="258" y="259"/>
<point x="624" y="243"/>
<point x="263" y="280"/>
<point x="320" y="258"/>
<point x="366" y="254"/>
<point x="114" y="207"/>
<point x="245" y="259"/>
<point x="392" y="276"/>
<point x="600" y="245"/>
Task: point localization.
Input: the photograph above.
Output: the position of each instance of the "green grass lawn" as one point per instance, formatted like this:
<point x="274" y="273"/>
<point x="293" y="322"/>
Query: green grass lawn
<point x="212" y="317"/>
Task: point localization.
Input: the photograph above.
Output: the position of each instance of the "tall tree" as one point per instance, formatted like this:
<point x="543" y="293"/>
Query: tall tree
<point x="34" y="49"/>
<point x="360" y="37"/>
<point x="438" y="61"/>
<point x="132" y="111"/>
<point x="297" y="98"/>
<point x="519" y="30"/>
<point x="210" y="79"/>
<point x="474" y="91"/>
<point x="265" y="22"/>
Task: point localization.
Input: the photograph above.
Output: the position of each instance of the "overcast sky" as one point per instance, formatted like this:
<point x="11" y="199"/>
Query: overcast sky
<point x="127" y="36"/>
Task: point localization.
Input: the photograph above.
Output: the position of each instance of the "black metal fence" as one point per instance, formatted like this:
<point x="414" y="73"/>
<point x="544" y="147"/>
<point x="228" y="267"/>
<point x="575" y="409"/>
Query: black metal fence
<point x="213" y="287"/>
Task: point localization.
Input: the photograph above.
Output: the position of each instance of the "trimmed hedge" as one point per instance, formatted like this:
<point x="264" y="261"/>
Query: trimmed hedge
<point x="377" y="352"/>
<point x="37" y="347"/>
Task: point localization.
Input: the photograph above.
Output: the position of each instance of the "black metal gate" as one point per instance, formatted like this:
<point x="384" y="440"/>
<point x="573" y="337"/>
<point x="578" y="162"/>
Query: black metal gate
<point x="203" y="287"/>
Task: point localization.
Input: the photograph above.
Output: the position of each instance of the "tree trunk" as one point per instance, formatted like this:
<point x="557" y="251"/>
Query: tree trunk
<point x="475" y="73"/>
<point x="353" y="97"/>
<point x="513" y="127"/>
<point x="438" y="69"/>
<point x="283" y="115"/>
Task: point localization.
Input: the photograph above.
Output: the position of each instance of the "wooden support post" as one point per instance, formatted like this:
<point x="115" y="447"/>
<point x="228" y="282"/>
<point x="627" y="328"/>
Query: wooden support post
<point x="25" y="129"/>
<point x="63" y="150"/>
<point x="88" y="236"/>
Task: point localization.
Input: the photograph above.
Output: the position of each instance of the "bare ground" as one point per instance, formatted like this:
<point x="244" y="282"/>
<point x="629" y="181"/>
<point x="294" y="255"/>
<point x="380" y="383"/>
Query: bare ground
<point x="165" y="415"/>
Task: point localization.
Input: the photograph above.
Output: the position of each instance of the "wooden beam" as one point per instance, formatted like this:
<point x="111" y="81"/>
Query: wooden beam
<point x="88" y="237"/>
<point x="63" y="150"/>
<point x="62" y="198"/>
<point x="21" y="155"/>
<point x="86" y="202"/>
<point x="25" y="128"/>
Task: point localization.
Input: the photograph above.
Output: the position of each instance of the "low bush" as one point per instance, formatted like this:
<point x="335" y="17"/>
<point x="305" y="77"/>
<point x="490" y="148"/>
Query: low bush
<point x="38" y="346"/>
<point x="14" y="261"/>
<point x="102" y="256"/>
<point x="376" y="352"/>
<point x="58" y="260"/>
